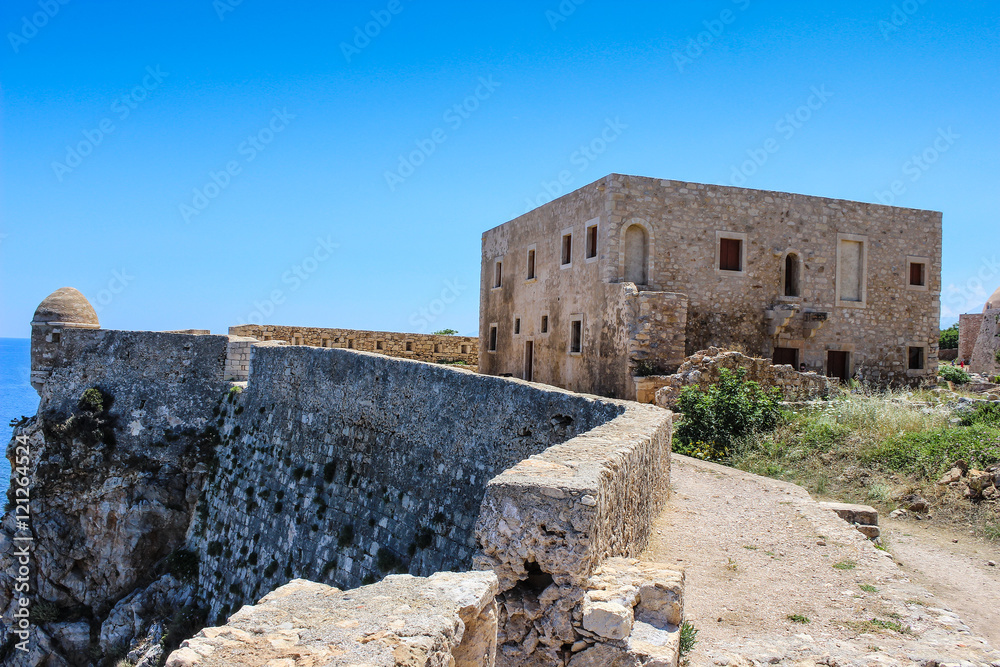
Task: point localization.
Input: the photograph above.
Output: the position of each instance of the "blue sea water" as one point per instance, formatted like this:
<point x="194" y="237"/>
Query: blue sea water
<point x="17" y="398"/>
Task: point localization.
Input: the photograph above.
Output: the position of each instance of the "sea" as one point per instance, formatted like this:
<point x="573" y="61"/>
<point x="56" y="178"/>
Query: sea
<point x="17" y="398"/>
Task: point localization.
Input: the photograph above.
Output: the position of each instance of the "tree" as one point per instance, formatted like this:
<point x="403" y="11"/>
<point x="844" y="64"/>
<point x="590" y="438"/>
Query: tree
<point x="949" y="337"/>
<point x="446" y="332"/>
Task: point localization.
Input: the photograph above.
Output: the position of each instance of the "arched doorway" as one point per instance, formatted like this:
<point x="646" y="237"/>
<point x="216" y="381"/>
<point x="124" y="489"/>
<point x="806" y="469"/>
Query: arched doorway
<point x="636" y="255"/>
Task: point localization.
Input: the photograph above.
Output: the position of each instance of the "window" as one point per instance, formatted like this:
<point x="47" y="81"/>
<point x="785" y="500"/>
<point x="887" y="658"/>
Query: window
<point x="576" y="336"/>
<point x="915" y="357"/>
<point x="465" y="349"/>
<point x="55" y="336"/>
<point x="409" y="346"/>
<point x="531" y="264"/>
<point x="917" y="272"/>
<point x="517" y="325"/>
<point x="325" y="342"/>
<point x="379" y="345"/>
<point x="437" y="348"/>
<point x="567" y="249"/>
<point x="730" y="255"/>
<point x="792" y="274"/>
<point x="350" y="343"/>
<point x="493" y="338"/>
<point x="852" y="262"/>
<point x="636" y="254"/>
<point x="591" y="242"/>
<point x="544" y="328"/>
<point x="498" y="275"/>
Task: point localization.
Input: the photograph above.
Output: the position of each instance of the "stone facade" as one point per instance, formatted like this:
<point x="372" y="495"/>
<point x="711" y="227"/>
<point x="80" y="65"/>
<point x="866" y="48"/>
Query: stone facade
<point x="780" y="275"/>
<point x="979" y="338"/>
<point x="703" y="369"/>
<point x="422" y="347"/>
<point x="968" y="332"/>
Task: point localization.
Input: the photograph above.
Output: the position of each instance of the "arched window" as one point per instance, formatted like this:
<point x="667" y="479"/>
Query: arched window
<point x="636" y="255"/>
<point x="792" y="270"/>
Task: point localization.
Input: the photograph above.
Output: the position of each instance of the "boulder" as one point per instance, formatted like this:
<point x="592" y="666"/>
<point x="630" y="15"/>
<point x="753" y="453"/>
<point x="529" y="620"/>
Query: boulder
<point x="950" y="477"/>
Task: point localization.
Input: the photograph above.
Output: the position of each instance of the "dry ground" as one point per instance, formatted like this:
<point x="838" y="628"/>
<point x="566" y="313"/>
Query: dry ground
<point x="774" y="579"/>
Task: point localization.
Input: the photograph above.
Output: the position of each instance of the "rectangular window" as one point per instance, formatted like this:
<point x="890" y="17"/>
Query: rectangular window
<point x="567" y="249"/>
<point x="918" y="274"/>
<point x="591" y="241"/>
<point x="531" y="265"/>
<point x="493" y="338"/>
<point x="350" y="343"/>
<point x="325" y="342"/>
<point x="437" y="348"/>
<point x="409" y="346"/>
<point x="465" y="349"/>
<point x="378" y="345"/>
<point x="916" y="358"/>
<point x="544" y="328"/>
<point x="576" y="336"/>
<point x="517" y="325"/>
<point x="55" y="336"/>
<point x="498" y="275"/>
<point x="730" y="251"/>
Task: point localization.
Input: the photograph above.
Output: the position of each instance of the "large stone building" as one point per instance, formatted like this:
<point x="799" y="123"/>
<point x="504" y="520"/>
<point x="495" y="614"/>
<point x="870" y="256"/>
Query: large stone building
<point x="979" y="338"/>
<point x="624" y="277"/>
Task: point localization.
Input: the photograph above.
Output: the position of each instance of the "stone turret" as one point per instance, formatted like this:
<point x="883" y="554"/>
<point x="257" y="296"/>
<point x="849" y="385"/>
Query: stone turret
<point x="993" y="302"/>
<point x="66" y="308"/>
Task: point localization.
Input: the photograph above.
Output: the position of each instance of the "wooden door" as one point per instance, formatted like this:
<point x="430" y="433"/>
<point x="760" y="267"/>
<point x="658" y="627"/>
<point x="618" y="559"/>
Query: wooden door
<point x="837" y="365"/>
<point x="786" y="355"/>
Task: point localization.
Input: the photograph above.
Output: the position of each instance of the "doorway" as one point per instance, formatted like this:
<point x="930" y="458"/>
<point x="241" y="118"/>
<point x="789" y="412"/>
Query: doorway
<point x="838" y="365"/>
<point x="786" y="355"/>
<point x="529" y="358"/>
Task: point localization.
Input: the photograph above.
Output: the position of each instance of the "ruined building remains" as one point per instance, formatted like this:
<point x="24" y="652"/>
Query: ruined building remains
<point x="979" y="338"/>
<point x="623" y="278"/>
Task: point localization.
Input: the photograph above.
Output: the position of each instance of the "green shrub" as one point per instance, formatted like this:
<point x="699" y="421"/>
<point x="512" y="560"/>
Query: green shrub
<point x="689" y="637"/>
<point x="446" y="332"/>
<point x="928" y="454"/>
<point x="949" y="337"/>
<point x="729" y="411"/>
<point x="954" y="374"/>
<point x="987" y="414"/>
<point x="92" y="400"/>
<point x="43" y="611"/>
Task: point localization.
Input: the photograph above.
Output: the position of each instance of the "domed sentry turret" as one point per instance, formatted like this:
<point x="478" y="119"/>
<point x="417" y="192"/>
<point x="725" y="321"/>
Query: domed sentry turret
<point x="993" y="302"/>
<point x="66" y="308"/>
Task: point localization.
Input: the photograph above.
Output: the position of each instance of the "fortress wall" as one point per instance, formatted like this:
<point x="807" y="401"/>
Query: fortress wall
<point x="342" y="467"/>
<point x="422" y="347"/>
<point x="968" y="331"/>
<point x="986" y="358"/>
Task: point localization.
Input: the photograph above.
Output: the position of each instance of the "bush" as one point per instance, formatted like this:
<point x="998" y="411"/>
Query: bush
<point x="954" y="374"/>
<point x="987" y="414"/>
<point x="949" y="337"/>
<point x="729" y="411"/>
<point x="92" y="400"/>
<point x="446" y="332"/>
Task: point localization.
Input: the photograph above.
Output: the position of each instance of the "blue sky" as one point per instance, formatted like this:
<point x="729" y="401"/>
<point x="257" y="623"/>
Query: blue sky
<point x="202" y="164"/>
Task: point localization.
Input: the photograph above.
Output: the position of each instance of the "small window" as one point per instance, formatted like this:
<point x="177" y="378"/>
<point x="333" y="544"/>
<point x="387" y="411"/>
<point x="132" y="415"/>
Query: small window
<point x="916" y="358"/>
<point x="350" y="343"/>
<point x="465" y="349"/>
<point x="544" y="328"/>
<point x="379" y="345"/>
<point x="437" y="348"/>
<point x="55" y="336"/>
<point x="531" y="265"/>
<point x="498" y="275"/>
<point x="918" y="274"/>
<point x="517" y="325"/>
<point x="325" y="342"/>
<point x="791" y="274"/>
<point x="493" y="338"/>
<point x="267" y="336"/>
<point x="591" y="241"/>
<point x="567" y="249"/>
<point x="729" y="254"/>
<point x="576" y="336"/>
<point x="409" y="346"/>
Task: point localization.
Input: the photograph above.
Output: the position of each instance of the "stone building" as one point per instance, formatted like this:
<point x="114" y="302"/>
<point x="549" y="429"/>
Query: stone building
<point x="66" y="308"/>
<point x="624" y="277"/>
<point x="979" y="338"/>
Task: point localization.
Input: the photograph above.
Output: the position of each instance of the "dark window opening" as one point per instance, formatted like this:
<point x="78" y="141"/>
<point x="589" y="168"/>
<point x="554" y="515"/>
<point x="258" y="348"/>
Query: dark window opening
<point x="378" y="345"/>
<point x="576" y="337"/>
<point x="517" y="325"/>
<point x="918" y="274"/>
<point x="55" y="337"/>
<point x="567" y="249"/>
<point x="916" y="358"/>
<point x="350" y="343"/>
<point x="531" y="264"/>
<point x="437" y="348"/>
<point x="465" y="349"/>
<point x="493" y="338"/>
<point x="729" y="254"/>
<point x="591" y="241"/>
<point x="838" y="365"/>
<point x="544" y="328"/>
<point x="498" y="275"/>
<point x="791" y="275"/>
<point x="409" y="346"/>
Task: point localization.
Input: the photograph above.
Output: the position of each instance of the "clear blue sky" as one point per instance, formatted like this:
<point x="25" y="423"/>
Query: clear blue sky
<point x="310" y="128"/>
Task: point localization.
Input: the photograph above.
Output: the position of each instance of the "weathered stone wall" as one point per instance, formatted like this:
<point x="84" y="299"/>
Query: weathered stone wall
<point x="422" y="347"/>
<point x="113" y="486"/>
<point x="342" y="467"/>
<point x="446" y="619"/>
<point x="968" y="332"/>
<point x="704" y="369"/>
<point x="683" y="223"/>
<point x="986" y="357"/>
<point x="549" y="522"/>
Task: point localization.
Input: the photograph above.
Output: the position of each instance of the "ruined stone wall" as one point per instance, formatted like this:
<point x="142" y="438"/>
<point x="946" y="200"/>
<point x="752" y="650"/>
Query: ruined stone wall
<point x="422" y="347"/>
<point x="704" y="369"/>
<point x="986" y="357"/>
<point x="114" y="484"/>
<point x="342" y="467"/>
<point x="969" y="326"/>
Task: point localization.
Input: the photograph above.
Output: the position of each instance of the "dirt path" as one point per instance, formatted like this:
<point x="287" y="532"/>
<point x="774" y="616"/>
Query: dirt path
<point x="772" y="578"/>
<point x="954" y="567"/>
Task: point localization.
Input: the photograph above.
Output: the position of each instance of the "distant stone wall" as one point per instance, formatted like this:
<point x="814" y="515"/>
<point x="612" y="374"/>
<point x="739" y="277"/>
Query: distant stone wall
<point x="342" y="467"/>
<point x="703" y="370"/>
<point x="422" y="347"/>
<point x="985" y="358"/>
<point x="968" y="331"/>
